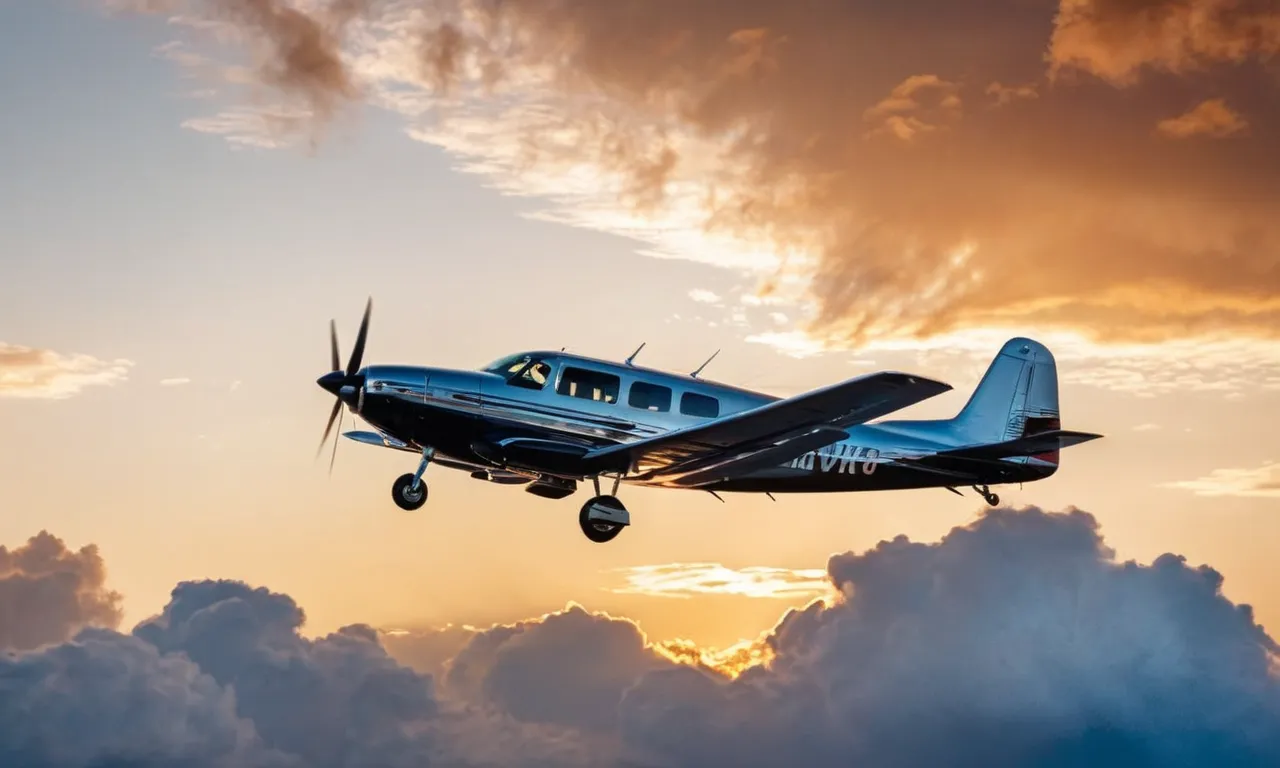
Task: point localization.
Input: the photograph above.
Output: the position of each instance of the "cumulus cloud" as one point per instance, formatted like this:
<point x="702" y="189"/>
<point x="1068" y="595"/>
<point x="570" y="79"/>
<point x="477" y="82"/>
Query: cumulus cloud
<point x="41" y="373"/>
<point x="110" y="699"/>
<point x="567" y="668"/>
<point x="1262" y="481"/>
<point x="1212" y="118"/>
<point x="1018" y="639"/>
<point x="48" y="592"/>
<point x="222" y="677"/>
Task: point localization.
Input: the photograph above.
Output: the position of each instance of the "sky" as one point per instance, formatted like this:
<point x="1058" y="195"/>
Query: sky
<point x="191" y="190"/>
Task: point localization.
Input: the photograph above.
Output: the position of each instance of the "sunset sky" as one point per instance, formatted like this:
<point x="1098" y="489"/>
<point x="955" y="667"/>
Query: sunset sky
<point x="191" y="189"/>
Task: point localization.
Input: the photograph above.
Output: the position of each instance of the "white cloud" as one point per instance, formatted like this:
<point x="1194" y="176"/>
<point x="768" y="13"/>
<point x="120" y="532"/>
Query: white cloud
<point x="252" y="127"/>
<point x="175" y="382"/>
<point x="793" y="343"/>
<point x="40" y="373"/>
<point x="703" y="296"/>
<point x="1261" y="482"/>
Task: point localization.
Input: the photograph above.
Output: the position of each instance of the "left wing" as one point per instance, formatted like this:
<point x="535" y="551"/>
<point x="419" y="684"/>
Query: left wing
<point x="800" y="421"/>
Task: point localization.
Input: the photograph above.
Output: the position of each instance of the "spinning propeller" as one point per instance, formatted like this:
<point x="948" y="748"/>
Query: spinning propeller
<point x="343" y="383"/>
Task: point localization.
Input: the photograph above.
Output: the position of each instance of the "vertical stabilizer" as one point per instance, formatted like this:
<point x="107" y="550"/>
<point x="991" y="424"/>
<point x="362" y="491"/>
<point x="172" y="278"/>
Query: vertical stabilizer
<point x="1017" y="397"/>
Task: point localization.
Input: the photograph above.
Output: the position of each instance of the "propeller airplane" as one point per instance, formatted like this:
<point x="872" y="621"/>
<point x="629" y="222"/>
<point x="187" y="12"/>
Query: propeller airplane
<point x="550" y="420"/>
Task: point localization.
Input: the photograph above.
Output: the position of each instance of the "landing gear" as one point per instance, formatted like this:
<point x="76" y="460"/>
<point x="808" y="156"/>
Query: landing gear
<point x="407" y="497"/>
<point x="603" y="517"/>
<point x="408" y="490"/>
<point x="987" y="495"/>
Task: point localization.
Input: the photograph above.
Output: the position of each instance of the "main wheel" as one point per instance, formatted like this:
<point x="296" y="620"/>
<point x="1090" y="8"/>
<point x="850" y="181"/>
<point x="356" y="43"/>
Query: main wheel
<point x="404" y="494"/>
<point x="596" y="530"/>
<point x="993" y="500"/>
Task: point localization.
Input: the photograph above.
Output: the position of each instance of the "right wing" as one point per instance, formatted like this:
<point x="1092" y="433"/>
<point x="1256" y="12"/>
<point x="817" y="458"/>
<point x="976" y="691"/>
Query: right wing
<point x="734" y="438"/>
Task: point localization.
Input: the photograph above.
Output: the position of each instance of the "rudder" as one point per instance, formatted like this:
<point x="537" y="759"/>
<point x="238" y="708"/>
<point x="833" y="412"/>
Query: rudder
<point x="1017" y="397"/>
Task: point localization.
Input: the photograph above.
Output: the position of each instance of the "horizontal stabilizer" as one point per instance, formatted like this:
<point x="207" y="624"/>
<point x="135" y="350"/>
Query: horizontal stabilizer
<point x="1045" y="442"/>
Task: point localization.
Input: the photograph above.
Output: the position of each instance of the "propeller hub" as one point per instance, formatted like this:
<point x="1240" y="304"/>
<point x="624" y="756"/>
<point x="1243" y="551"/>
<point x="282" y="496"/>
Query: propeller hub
<point x="332" y="382"/>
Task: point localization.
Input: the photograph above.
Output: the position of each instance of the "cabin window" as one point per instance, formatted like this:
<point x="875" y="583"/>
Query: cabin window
<point x="649" y="397"/>
<point x="529" y="374"/>
<point x="589" y="385"/>
<point x="693" y="404"/>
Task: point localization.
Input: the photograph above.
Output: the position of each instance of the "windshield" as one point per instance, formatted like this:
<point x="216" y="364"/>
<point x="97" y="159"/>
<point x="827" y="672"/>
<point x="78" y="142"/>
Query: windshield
<point x="504" y="365"/>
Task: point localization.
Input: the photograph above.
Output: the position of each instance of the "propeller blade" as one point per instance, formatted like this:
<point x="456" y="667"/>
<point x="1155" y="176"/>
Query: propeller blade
<point x="335" y="362"/>
<point x="336" y="438"/>
<point x="357" y="352"/>
<point x="337" y="407"/>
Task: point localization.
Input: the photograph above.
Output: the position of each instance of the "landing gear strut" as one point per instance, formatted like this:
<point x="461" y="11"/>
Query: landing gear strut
<point x="987" y="495"/>
<point x="408" y="490"/>
<point x="603" y="517"/>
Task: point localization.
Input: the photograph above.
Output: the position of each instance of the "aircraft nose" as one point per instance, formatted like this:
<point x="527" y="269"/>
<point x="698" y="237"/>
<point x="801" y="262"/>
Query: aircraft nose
<point x="332" y="381"/>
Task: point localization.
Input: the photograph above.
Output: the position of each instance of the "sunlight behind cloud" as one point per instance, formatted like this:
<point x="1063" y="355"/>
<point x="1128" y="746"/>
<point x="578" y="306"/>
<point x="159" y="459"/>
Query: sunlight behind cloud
<point x="683" y="580"/>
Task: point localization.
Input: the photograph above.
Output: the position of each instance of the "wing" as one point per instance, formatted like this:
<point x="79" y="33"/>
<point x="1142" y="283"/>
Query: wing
<point x="815" y="418"/>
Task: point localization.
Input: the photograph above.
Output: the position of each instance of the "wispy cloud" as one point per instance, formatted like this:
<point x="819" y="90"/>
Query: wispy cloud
<point x="252" y="127"/>
<point x="684" y="580"/>
<point x="1263" y="481"/>
<point x="40" y="373"/>
<point x="1220" y="364"/>
<point x="682" y="161"/>
<point x="703" y="296"/>
<point x="175" y="382"/>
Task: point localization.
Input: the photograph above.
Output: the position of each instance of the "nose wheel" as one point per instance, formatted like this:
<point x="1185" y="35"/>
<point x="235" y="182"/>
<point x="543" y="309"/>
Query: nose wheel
<point x="408" y="497"/>
<point x="409" y="490"/>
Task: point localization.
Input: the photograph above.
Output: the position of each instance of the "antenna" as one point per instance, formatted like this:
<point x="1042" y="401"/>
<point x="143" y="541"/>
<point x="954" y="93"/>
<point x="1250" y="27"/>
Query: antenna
<point x="633" y="354"/>
<point x="694" y="375"/>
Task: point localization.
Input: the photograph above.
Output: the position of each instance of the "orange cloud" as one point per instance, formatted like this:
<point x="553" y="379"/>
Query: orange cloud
<point x="1005" y="94"/>
<point x="1116" y="39"/>
<point x="1211" y="118"/>
<point x="48" y="592"/>
<point x="40" y="373"/>
<point x="736" y="134"/>
<point x="899" y="113"/>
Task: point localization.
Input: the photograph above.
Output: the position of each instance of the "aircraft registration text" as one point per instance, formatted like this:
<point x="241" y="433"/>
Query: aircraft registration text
<point x="841" y="459"/>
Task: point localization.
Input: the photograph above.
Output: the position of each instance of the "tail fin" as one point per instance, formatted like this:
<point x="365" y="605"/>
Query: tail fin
<point x="1017" y="398"/>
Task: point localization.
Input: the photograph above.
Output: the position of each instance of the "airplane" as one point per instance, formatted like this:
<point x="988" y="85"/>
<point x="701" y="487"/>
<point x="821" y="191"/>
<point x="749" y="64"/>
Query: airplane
<point x="551" y="420"/>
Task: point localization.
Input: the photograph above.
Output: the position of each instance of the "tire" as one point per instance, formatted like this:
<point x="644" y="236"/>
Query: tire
<point x="595" y="531"/>
<point x="405" y="498"/>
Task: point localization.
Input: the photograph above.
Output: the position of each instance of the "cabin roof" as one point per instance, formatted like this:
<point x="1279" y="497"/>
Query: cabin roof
<point x="623" y="369"/>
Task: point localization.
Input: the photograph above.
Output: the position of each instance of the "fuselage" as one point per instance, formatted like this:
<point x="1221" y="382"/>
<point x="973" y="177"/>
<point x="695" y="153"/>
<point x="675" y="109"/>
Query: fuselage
<point x="497" y="415"/>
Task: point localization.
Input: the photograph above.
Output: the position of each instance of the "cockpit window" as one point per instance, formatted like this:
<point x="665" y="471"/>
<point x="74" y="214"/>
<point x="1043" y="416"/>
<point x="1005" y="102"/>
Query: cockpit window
<point x="521" y="370"/>
<point x="503" y="364"/>
<point x="530" y="374"/>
